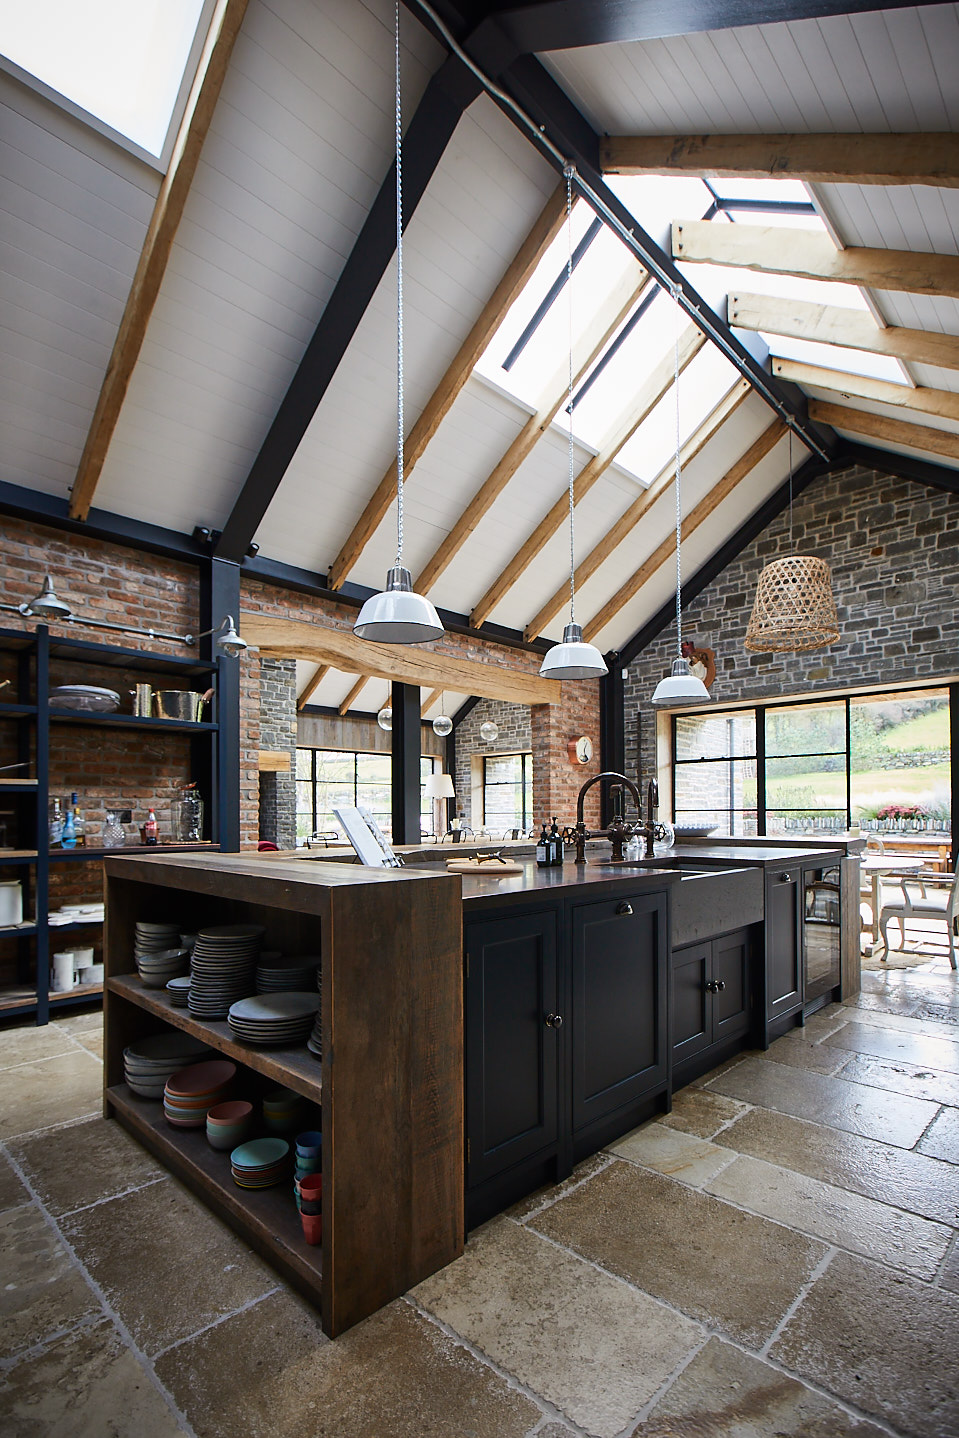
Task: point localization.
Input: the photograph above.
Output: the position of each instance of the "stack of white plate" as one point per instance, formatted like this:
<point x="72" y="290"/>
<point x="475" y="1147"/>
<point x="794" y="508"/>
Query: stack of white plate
<point x="223" y="968"/>
<point x="278" y="974"/>
<point x="274" y="1018"/>
<point x="149" y="1063"/>
<point x="154" y="938"/>
<point x="86" y="697"/>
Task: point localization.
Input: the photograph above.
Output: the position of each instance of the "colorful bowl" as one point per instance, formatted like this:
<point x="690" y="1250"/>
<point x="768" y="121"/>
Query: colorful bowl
<point x="230" y="1114"/>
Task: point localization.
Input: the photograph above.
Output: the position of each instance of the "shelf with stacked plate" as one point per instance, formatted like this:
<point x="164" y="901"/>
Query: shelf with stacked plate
<point x="388" y="1074"/>
<point x="50" y="728"/>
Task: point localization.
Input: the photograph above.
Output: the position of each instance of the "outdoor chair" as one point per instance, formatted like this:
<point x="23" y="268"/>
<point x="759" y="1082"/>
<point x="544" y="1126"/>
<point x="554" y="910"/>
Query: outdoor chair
<point x="929" y="897"/>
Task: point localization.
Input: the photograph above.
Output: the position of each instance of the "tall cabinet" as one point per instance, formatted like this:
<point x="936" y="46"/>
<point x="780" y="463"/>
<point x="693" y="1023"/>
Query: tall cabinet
<point x="37" y="742"/>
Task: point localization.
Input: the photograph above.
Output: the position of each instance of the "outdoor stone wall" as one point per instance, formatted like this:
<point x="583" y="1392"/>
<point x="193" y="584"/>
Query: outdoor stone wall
<point x="893" y="545"/>
<point x="278" y="733"/>
<point x="515" y="737"/>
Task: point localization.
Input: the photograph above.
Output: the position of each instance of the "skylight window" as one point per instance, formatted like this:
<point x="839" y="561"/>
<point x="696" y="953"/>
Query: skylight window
<point x="121" y="61"/>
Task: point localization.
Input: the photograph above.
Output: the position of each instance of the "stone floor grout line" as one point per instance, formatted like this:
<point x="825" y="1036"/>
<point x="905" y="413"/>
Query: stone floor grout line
<point x="915" y="1148"/>
<point x="727" y="1123"/>
<point x="107" y="1308"/>
<point x="549" y="1410"/>
<point x="52" y="1127"/>
<point x="220" y="1319"/>
<point x="49" y="1340"/>
<point x="951" y="1249"/>
<point x="662" y="1390"/>
<point x="109" y="1198"/>
<point x="548" y="1202"/>
<point x="803" y="1294"/>
<point x="49" y="1058"/>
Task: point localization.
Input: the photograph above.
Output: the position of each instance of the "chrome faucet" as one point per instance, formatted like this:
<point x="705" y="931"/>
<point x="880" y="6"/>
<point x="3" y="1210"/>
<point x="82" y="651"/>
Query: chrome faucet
<point x="618" y="830"/>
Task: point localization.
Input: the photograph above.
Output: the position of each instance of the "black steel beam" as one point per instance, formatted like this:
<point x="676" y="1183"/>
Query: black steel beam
<point x="572" y="24"/>
<point x="612" y="729"/>
<point x="449" y="93"/>
<point x="806" y="475"/>
<point x="907" y="466"/>
<point x="220" y="595"/>
<point x="406" y="763"/>
<point x="39" y="508"/>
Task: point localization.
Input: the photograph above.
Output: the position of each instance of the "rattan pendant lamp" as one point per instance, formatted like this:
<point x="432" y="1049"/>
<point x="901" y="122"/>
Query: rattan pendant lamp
<point x="794" y="609"/>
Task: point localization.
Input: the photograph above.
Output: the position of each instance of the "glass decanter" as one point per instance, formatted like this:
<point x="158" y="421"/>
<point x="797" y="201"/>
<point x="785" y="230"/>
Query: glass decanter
<point x="113" y="835"/>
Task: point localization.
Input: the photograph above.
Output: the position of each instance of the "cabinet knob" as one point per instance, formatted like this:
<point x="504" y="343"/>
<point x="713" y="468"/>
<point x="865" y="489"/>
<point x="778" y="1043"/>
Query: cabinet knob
<point x="624" y="908"/>
<point x="554" y="1021"/>
<point x="710" y="986"/>
<point x="720" y="985"/>
<point x="785" y="878"/>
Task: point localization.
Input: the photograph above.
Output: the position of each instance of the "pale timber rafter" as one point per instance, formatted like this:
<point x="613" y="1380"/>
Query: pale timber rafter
<point x="311" y="685"/>
<point x="627" y="522"/>
<point x="651" y="392"/>
<point x="886" y="430"/>
<point x="607" y="320"/>
<point x="832" y="324"/>
<point x="429" y="701"/>
<point x="346" y="704"/>
<point x="901" y="159"/>
<point x="919" y="399"/>
<point x="154" y="257"/>
<point x="691" y="522"/>
<point x="811" y="255"/>
<point x="545" y="229"/>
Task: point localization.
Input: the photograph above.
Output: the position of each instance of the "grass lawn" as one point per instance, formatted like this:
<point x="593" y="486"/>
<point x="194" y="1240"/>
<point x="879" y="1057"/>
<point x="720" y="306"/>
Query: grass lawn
<point x="926" y="731"/>
<point x="879" y="786"/>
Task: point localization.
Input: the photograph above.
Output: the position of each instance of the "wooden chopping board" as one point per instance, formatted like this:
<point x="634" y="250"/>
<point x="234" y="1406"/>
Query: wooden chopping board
<point x="485" y="871"/>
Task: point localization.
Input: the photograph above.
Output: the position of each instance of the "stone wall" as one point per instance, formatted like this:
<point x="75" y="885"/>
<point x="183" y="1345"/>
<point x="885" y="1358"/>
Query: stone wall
<point x="278" y="733"/>
<point x="893" y="546"/>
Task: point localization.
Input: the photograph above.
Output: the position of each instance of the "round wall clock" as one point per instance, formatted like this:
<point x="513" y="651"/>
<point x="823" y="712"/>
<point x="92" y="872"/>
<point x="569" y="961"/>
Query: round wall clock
<point x="580" y="750"/>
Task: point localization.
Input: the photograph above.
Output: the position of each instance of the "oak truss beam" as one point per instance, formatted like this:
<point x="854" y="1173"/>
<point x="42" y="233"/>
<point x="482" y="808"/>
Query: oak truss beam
<point x="885" y="429"/>
<point x="778" y="250"/>
<point x="944" y="403"/>
<point x="605" y="323"/>
<point x="346" y="704"/>
<point x="928" y="159"/>
<point x="311" y="686"/>
<point x="656" y="385"/>
<point x="397" y="663"/>
<point x="537" y="242"/>
<point x="429" y="701"/>
<point x="757" y="451"/>
<point x="627" y="522"/>
<point x="831" y="324"/>
<point x="448" y="94"/>
<point x="154" y="257"/>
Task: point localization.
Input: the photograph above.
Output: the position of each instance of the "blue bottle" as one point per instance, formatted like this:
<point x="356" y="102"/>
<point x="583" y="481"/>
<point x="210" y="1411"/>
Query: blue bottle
<point x="68" y="834"/>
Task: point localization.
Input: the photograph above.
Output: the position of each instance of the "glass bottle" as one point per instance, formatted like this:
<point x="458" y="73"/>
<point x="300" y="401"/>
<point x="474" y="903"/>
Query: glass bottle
<point x="68" y="833"/>
<point x="55" y="824"/>
<point x="542" y="848"/>
<point x="114" y="836"/>
<point x="555" y="845"/>
<point x="79" y="823"/>
<point x="188" y="815"/>
<point x="150" y="828"/>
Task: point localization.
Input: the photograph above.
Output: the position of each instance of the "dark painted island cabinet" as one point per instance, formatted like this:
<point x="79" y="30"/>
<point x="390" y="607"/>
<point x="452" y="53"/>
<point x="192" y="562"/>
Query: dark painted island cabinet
<point x="566" y="1036"/>
<point x="711" y="1001"/>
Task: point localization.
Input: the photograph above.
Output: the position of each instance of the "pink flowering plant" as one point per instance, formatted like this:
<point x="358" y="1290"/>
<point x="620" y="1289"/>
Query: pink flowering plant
<point x="901" y="811"/>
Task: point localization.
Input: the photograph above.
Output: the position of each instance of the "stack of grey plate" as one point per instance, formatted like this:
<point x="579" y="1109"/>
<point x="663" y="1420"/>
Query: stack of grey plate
<point x="277" y="974"/>
<point x="179" y="991"/>
<point x="315" y="1042"/>
<point x="223" y="968"/>
<point x="148" y="1063"/>
<point x="274" y="1018"/>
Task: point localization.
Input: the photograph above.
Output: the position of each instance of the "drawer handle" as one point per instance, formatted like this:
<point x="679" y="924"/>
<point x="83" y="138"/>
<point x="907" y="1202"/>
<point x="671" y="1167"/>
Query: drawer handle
<point x="554" y="1021"/>
<point x="624" y="908"/>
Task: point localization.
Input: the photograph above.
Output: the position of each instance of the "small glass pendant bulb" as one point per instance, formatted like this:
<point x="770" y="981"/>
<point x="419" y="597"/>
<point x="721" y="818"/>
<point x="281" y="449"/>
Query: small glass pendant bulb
<point x="442" y="724"/>
<point x="385" y="718"/>
<point x="489" y="731"/>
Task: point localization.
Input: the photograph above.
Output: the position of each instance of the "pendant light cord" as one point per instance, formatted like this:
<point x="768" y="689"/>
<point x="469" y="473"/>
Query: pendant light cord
<point x="568" y="173"/>
<point x="790" y="491"/>
<point x="399" y="294"/>
<point x="679" y="507"/>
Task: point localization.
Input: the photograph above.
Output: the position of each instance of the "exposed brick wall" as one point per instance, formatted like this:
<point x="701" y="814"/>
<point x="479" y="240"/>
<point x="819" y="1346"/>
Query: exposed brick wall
<point x="557" y="781"/>
<point x="894" y="550"/>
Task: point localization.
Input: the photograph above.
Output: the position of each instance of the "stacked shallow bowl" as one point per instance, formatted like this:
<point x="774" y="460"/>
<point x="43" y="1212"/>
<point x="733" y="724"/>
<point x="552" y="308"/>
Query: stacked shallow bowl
<point x="179" y="991"/>
<point x="223" y="968"/>
<point x="273" y="1018"/>
<point x="261" y="1164"/>
<point x="283" y="1111"/>
<point x="150" y="938"/>
<point x="228" y="1124"/>
<point x="191" y="1092"/>
<point x="149" y="1063"/>
<point x="278" y="974"/>
<point x="157" y="969"/>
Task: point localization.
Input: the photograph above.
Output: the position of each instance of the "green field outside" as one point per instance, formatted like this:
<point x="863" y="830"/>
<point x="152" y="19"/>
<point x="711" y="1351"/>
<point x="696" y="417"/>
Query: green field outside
<point x="926" y="731"/>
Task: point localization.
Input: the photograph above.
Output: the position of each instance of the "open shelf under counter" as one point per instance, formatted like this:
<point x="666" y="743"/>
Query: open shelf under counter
<point x="267" y="1218"/>
<point x="289" y="1067"/>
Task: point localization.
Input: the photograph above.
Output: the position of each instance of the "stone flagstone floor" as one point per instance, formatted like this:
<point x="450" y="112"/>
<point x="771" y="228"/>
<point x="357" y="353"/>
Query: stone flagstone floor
<point x="777" y="1257"/>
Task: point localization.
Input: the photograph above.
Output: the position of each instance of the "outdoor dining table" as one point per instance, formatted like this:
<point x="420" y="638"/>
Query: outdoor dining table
<point x="876" y="864"/>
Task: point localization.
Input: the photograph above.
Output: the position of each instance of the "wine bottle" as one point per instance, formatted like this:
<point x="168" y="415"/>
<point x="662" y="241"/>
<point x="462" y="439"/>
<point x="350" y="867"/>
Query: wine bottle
<point x="555" y="845"/>
<point x="542" y="848"/>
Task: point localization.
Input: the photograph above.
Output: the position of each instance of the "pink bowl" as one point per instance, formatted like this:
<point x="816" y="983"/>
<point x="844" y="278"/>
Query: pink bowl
<point x="230" y="1113"/>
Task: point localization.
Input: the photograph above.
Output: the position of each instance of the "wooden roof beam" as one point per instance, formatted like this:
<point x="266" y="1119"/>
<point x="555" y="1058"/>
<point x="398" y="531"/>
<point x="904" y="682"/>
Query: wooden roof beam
<point x="811" y="255"/>
<point x="831" y="324"/>
<point x="311" y="685"/>
<point x="943" y="403"/>
<point x="605" y="322"/>
<point x="691" y="522"/>
<point x="151" y="266"/>
<point x="651" y="392"/>
<point x="544" y="231"/>
<point x="927" y="159"/>
<point x="627" y="522"/>
<point x="346" y="704"/>
<point x="396" y="663"/>
<point x="429" y="701"/>
<point x="886" y="430"/>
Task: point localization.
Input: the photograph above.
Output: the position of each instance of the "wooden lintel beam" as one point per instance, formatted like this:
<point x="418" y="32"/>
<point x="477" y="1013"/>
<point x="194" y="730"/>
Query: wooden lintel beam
<point x="886" y="430"/>
<point x="397" y="663"/>
<point x="347" y="703"/>
<point x="311" y="686"/>
<point x="429" y="701"/>
<point x="544" y="231"/>
<point x="627" y="522"/>
<point x="812" y="255"/>
<point x="691" y="522"/>
<point x="918" y="398"/>
<point x="832" y="324"/>
<point x="151" y="267"/>
<point x="274" y="761"/>
<point x="926" y="159"/>
<point x="607" y="320"/>
<point x="651" y="392"/>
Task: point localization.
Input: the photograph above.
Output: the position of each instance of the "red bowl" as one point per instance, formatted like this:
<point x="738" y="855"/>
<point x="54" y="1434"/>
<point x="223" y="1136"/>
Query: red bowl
<point x="230" y="1113"/>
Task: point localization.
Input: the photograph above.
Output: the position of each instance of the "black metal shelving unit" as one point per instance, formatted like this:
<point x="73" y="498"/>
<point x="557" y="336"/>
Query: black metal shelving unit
<point x="37" y="725"/>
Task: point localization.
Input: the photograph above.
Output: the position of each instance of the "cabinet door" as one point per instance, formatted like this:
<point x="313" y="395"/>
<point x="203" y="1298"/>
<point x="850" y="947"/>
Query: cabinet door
<point x="619" y="1003"/>
<point x="783" y="947"/>
<point x="730" y="977"/>
<point x="512" y="1096"/>
<point x="691" y="1011"/>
